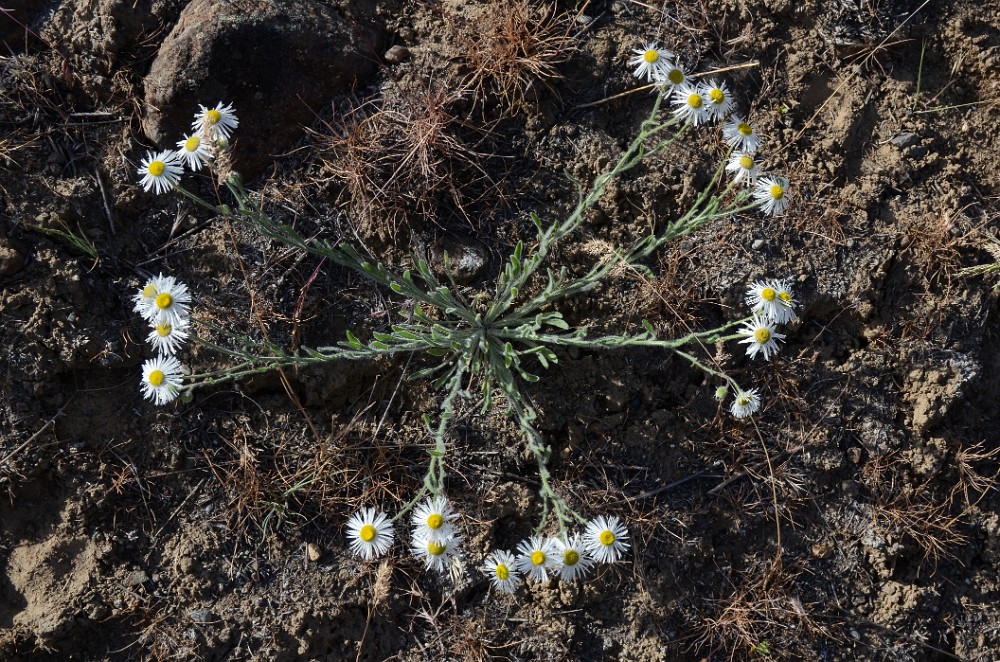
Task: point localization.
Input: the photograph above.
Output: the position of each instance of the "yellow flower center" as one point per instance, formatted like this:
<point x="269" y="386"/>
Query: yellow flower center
<point x="191" y="144"/>
<point x="571" y="557"/>
<point x="156" y="168"/>
<point x="213" y="116"/>
<point x="746" y="162"/>
<point x="694" y="100"/>
<point x="503" y="572"/>
<point x="717" y="96"/>
<point x="786" y="297"/>
<point x="149" y="291"/>
<point x="676" y="76"/>
<point x="607" y="538"/>
<point x="367" y="533"/>
<point x="163" y="330"/>
<point x="156" y="377"/>
<point x="745" y="129"/>
<point x="743" y="400"/>
<point x="435" y="521"/>
<point x="537" y="557"/>
<point x="164" y="301"/>
<point x="767" y="294"/>
<point x="762" y="335"/>
<point x="651" y="56"/>
<point x="777" y="192"/>
<point x="435" y="548"/>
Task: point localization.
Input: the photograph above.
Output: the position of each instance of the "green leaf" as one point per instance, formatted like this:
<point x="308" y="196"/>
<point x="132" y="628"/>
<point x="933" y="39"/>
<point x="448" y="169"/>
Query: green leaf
<point x="557" y="321"/>
<point x="649" y="328"/>
<point x="353" y="341"/>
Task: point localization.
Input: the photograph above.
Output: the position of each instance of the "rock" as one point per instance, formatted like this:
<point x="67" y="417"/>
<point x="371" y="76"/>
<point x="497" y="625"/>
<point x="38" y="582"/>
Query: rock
<point x="136" y="577"/>
<point x="202" y="616"/>
<point x="467" y="258"/>
<point x="903" y="140"/>
<point x="11" y="259"/>
<point x="275" y="62"/>
<point x="397" y="54"/>
<point x="313" y="552"/>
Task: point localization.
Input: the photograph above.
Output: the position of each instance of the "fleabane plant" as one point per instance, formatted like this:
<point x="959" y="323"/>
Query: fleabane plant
<point x="491" y="345"/>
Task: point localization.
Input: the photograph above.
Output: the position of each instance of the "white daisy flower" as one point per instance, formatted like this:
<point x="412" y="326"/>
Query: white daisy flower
<point x="194" y="151"/>
<point x="536" y="556"/>
<point x="740" y="135"/>
<point x="690" y="104"/>
<point x="167" y="339"/>
<point x="161" y="379"/>
<point x="672" y="76"/>
<point x="144" y="299"/>
<point x="171" y="303"/>
<point x="160" y="171"/>
<point x="575" y="562"/>
<point x="501" y="568"/>
<point x="214" y="123"/>
<point x="432" y="519"/>
<point x="437" y="555"/>
<point x="771" y="194"/>
<point x="370" y="533"/>
<point x="745" y="403"/>
<point x="606" y="539"/>
<point x="786" y="303"/>
<point x="760" y="337"/>
<point x="743" y="168"/>
<point x="650" y="61"/>
<point x="771" y="300"/>
<point x="720" y="101"/>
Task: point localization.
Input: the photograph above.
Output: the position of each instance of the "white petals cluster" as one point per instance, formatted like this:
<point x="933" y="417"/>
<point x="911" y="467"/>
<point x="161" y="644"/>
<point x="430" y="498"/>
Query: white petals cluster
<point x="433" y="541"/>
<point x="771" y="303"/>
<point x="569" y="558"/>
<point x="707" y="102"/>
<point x="161" y="171"/>
<point x="370" y="533"/>
<point x="165" y="304"/>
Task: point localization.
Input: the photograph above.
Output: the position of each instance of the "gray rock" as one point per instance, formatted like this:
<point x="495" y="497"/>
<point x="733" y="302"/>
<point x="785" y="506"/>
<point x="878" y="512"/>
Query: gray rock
<point x="467" y="258"/>
<point x="397" y="54"/>
<point x="202" y="616"/>
<point x="903" y="140"/>
<point x="275" y="62"/>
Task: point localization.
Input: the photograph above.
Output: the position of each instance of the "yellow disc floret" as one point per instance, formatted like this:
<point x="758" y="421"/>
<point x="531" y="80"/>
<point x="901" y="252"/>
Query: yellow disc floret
<point x="571" y="557"/>
<point x="164" y="301"/>
<point x="435" y="521"/>
<point x="213" y="116"/>
<point x="503" y="572"/>
<point x="776" y="192"/>
<point x="745" y="129"/>
<point x="717" y="96"/>
<point x="694" y="100"/>
<point x="435" y="548"/>
<point x="156" y="377"/>
<point x="149" y="291"/>
<point x="192" y="143"/>
<point x="746" y="162"/>
<point x="651" y="56"/>
<point x="163" y="330"/>
<point x="786" y="297"/>
<point x="676" y="76"/>
<point x="367" y="533"/>
<point x="762" y="335"/>
<point x="767" y="294"/>
<point x="156" y="168"/>
<point x="537" y="557"/>
<point x="607" y="538"/>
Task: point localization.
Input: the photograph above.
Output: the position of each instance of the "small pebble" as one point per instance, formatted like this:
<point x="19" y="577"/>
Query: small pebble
<point x="314" y="552"/>
<point x="397" y="54"/>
